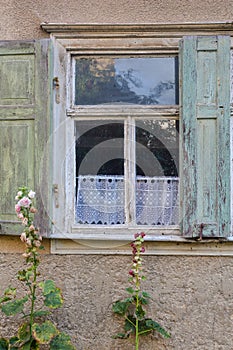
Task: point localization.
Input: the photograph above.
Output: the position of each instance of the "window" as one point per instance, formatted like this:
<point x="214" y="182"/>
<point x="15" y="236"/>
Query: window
<point x="125" y="158"/>
<point x="126" y="166"/>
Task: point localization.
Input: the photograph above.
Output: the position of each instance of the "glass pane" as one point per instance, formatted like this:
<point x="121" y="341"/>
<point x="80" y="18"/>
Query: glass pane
<point x="157" y="182"/>
<point x="138" y="80"/>
<point x="100" y="172"/>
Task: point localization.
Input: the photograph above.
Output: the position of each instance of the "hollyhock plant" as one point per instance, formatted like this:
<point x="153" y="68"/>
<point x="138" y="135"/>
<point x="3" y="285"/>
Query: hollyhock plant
<point x="132" y="308"/>
<point x="35" y="330"/>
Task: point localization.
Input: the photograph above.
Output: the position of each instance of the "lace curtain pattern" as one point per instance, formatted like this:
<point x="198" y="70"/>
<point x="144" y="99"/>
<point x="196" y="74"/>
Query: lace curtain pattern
<point x="100" y="200"/>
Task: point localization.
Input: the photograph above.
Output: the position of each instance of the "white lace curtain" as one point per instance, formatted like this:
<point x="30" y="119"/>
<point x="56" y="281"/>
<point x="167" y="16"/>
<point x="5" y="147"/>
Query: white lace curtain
<point x="100" y="200"/>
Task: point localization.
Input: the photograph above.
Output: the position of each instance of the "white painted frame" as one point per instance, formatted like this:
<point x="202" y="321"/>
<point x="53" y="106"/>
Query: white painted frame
<point x="128" y="39"/>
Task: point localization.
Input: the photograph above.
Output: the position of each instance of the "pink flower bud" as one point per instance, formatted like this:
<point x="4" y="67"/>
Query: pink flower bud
<point x="25" y="221"/>
<point x="20" y="216"/>
<point x="17" y="208"/>
<point x="131" y="273"/>
<point x="31" y="228"/>
<point x="26" y="255"/>
<point x="28" y="242"/>
<point x="23" y="237"/>
<point x="37" y="243"/>
<point x="33" y="210"/>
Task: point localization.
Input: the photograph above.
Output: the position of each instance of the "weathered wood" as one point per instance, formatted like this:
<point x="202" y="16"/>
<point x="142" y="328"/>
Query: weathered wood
<point x="24" y="126"/>
<point x="205" y="138"/>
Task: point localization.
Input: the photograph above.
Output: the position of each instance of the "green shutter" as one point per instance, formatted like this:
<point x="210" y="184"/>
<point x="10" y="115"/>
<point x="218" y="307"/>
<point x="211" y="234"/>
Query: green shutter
<point x="205" y="136"/>
<point x="24" y="128"/>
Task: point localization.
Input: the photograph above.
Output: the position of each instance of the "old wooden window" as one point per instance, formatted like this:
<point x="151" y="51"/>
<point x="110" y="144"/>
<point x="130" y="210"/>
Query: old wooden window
<point x="126" y="166"/>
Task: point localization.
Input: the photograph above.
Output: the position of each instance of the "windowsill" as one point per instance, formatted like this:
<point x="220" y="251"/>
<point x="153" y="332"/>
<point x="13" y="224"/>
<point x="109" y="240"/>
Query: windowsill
<point x="155" y="245"/>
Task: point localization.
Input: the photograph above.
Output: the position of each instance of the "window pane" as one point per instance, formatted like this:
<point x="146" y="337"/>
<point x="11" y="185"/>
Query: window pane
<point x="138" y="80"/>
<point x="100" y="172"/>
<point x="157" y="183"/>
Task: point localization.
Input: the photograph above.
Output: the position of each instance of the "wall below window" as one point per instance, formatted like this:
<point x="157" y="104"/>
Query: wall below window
<point x="191" y="297"/>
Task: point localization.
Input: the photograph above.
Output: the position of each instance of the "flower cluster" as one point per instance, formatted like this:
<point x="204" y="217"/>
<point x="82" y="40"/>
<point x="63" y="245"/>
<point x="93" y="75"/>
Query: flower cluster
<point x="24" y="209"/>
<point x="137" y="249"/>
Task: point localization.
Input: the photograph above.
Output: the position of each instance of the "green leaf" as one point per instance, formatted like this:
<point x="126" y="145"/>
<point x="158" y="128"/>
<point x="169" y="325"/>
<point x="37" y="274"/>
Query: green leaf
<point x="48" y="287"/>
<point x="23" y="333"/>
<point x="130" y="290"/>
<point x="4" y="344"/>
<point x="140" y="313"/>
<point x="146" y="295"/>
<point x="150" y="324"/>
<point x="9" y="293"/>
<point x="120" y="307"/>
<point x="121" y="336"/>
<point x="41" y="313"/>
<point x="54" y="299"/>
<point x="130" y="323"/>
<point x="43" y="333"/>
<point x="61" y="342"/>
<point x="14" y="307"/>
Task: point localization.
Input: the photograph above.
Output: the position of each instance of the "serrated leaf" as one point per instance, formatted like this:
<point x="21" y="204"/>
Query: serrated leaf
<point x="61" y="342"/>
<point x="27" y="346"/>
<point x="9" y="293"/>
<point x="4" y="344"/>
<point x="4" y="299"/>
<point x="13" y="340"/>
<point x="130" y="323"/>
<point x="54" y="299"/>
<point x="157" y="327"/>
<point x="146" y="295"/>
<point x="43" y="333"/>
<point x="120" y="307"/>
<point x="130" y="290"/>
<point x="140" y="313"/>
<point x="143" y="301"/>
<point x="48" y="287"/>
<point x="14" y="307"/>
<point x="23" y="333"/>
<point x="41" y="313"/>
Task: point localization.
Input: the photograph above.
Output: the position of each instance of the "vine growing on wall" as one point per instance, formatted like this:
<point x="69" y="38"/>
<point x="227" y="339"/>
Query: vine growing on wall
<point x="41" y="297"/>
<point x="132" y="308"/>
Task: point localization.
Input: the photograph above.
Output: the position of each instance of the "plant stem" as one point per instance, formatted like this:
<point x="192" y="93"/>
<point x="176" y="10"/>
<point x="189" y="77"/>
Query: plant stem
<point x="136" y="325"/>
<point x="33" y="293"/>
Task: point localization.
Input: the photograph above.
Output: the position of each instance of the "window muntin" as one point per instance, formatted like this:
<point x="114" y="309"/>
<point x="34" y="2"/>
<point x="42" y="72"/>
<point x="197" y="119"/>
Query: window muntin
<point x="128" y="80"/>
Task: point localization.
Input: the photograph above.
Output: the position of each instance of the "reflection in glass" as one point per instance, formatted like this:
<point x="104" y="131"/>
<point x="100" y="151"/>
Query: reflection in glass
<point x="138" y="80"/>
<point x="157" y="184"/>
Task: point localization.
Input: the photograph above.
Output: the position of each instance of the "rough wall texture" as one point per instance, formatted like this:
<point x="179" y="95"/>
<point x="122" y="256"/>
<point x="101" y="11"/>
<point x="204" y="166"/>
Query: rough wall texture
<point x="192" y="298"/>
<point x="21" y="19"/>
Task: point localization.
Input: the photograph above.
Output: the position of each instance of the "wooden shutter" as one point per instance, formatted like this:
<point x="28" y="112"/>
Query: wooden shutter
<point x="205" y="136"/>
<point x="24" y="128"/>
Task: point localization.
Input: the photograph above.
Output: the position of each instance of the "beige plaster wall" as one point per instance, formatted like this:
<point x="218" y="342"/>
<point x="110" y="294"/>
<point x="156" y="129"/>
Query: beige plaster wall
<point x="20" y="19"/>
<point x="192" y="298"/>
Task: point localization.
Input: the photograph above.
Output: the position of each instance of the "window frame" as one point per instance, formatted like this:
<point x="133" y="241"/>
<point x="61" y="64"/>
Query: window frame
<point x="83" y="39"/>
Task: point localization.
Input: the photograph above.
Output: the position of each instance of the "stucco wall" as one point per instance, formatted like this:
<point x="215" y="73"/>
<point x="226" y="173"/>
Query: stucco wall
<point x="21" y="19"/>
<point x="192" y="298"/>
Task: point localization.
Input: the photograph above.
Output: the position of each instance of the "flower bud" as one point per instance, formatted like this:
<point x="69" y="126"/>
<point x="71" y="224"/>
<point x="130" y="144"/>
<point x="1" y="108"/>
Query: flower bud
<point x="23" y="237"/>
<point x="31" y="228"/>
